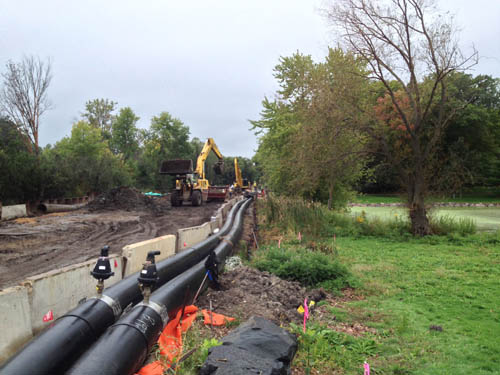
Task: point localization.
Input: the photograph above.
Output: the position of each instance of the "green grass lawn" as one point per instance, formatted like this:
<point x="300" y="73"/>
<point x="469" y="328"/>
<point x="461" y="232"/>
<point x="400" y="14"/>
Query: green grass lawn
<point x="487" y="218"/>
<point x="412" y="285"/>
<point x="421" y="306"/>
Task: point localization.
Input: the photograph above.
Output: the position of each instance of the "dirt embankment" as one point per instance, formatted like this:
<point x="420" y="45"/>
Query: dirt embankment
<point x="34" y="245"/>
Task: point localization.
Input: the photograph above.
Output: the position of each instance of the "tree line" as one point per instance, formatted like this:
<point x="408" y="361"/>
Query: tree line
<point x="390" y="108"/>
<point x="105" y="149"/>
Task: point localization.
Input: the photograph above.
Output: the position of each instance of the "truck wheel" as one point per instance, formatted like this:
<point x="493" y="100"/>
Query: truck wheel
<point x="196" y="198"/>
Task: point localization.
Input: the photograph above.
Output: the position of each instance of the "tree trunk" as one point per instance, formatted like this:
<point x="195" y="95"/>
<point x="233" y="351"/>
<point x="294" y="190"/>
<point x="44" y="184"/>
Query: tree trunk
<point x="420" y="225"/>
<point x="419" y="222"/>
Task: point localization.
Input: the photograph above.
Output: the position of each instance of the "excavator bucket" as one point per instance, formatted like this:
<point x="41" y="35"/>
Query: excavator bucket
<point x="176" y="167"/>
<point x="219" y="167"/>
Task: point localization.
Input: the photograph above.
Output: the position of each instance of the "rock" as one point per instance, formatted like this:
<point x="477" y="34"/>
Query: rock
<point x="258" y="346"/>
<point x="230" y="360"/>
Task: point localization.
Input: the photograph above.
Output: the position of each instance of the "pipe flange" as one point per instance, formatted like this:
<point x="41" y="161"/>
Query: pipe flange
<point x="113" y="304"/>
<point x="158" y="308"/>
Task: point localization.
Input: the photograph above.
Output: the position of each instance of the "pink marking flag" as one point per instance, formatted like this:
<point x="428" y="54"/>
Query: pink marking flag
<point x="367" y="368"/>
<point x="48" y="317"/>
<point x="300" y="237"/>
<point x="306" y="313"/>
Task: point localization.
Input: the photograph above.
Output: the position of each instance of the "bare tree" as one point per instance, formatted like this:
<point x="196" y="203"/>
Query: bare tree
<point x="409" y="42"/>
<point x="23" y="97"/>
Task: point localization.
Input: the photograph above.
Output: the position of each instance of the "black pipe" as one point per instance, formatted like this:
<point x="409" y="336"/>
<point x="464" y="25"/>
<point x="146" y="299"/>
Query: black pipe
<point x="55" y="349"/>
<point x="122" y="349"/>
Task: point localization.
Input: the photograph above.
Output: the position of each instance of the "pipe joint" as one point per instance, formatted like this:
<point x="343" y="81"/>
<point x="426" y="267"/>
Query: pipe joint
<point x="113" y="304"/>
<point x="159" y="308"/>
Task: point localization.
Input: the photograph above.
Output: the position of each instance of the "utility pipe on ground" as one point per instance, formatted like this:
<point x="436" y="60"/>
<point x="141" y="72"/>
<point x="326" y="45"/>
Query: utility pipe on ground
<point x="122" y="349"/>
<point x="55" y="349"/>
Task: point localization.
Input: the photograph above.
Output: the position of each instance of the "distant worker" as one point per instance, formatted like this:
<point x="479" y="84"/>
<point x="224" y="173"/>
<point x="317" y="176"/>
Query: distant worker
<point x="230" y="191"/>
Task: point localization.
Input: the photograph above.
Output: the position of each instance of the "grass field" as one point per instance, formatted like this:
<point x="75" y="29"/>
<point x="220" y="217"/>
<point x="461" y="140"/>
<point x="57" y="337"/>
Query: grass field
<point x="420" y="306"/>
<point x="487" y="218"/>
<point x="413" y="285"/>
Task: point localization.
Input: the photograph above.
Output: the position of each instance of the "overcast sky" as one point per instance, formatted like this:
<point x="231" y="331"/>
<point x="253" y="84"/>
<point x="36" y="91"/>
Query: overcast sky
<point x="208" y="63"/>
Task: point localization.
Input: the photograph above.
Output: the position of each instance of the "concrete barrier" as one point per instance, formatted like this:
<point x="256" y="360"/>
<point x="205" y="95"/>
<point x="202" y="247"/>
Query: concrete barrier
<point x="15" y="320"/>
<point x="11" y="212"/>
<point x="60" y="290"/>
<point x="188" y="237"/>
<point x="134" y="254"/>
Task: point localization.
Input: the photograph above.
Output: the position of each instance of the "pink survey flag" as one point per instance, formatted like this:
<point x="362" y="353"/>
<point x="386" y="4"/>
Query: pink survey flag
<point x="306" y="313"/>
<point x="367" y="368"/>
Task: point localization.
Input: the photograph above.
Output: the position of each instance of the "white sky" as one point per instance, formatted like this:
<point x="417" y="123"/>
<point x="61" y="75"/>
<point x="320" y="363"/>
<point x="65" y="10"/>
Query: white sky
<point x="207" y="62"/>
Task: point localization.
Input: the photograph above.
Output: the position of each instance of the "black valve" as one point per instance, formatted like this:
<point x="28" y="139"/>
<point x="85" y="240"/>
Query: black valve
<point x="148" y="276"/>
<point x="102" y="269"/>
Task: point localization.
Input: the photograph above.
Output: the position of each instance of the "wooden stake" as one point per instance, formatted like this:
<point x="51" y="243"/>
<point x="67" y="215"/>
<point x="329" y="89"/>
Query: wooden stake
<point x="255" y="239"/>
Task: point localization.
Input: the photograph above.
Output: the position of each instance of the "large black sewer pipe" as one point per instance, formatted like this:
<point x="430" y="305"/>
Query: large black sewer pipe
<point x="55" y="349"/>
<point x="122" y="349"/>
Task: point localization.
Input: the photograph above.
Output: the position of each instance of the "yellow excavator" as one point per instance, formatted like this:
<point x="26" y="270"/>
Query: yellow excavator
<point x="192" y="186"/>
<point x="240" y="183"/>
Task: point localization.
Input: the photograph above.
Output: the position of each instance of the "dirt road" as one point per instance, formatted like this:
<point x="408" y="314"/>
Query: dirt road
<point x="34" y="245"/>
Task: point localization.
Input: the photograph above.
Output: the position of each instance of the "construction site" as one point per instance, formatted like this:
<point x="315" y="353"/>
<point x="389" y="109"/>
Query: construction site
<point x="72" y="267"/>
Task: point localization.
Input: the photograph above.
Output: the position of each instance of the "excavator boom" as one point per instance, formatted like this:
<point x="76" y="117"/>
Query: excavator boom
<point x="240" y="182"/>
<point x="200" y="163"/>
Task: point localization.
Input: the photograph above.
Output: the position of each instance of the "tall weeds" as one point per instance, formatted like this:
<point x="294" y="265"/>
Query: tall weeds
<point x="296" y="214"/>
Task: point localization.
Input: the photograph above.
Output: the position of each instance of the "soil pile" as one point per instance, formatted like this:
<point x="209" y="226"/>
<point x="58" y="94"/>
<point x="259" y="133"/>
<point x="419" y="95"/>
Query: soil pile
<point x="129" y="199"/>
<point x="247" y="291"/>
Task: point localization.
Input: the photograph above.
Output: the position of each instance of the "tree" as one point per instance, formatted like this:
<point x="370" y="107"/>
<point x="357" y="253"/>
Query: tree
<point x="23" y="97"/>
<point x="124" y="134"/>
<point x="406" y="41"/>
<point x="20" y="173"/>
<point x="311" y="141"/>
<point x="167" y="138"/>
<point x="83" y="163"/>
<point x="475" y="131"/>
<point x="99" y="114"/>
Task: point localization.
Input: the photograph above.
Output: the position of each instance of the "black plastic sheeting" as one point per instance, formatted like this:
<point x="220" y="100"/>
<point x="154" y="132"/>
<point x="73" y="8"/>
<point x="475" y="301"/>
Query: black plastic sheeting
<point x="122" y="349"/>
<point x="55" y="349"/>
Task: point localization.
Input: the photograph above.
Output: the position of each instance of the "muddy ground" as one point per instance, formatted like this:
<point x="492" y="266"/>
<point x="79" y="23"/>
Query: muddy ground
<point x="38" y="244"/>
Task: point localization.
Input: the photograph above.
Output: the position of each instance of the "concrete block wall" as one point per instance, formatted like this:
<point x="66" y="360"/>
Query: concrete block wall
<point x="188" y="237"/>
<point x="15" y="320"/>
<point x="60" y="290"/>
<point x="135" y="254"/>
<point x="11" y="212"/>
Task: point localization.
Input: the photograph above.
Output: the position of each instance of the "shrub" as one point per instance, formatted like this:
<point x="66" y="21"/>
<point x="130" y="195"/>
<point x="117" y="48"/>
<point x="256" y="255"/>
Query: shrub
<point x="311" y="269"/>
